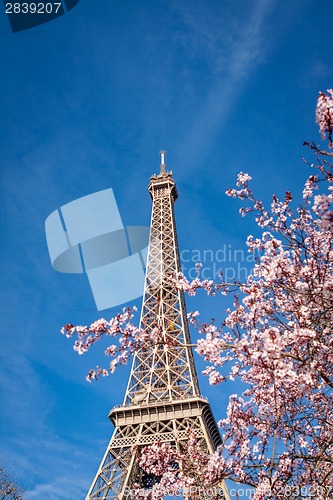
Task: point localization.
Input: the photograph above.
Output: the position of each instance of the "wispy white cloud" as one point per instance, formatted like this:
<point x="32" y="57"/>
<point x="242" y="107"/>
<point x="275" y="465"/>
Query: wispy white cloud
<point x="61" y="488"/>
<point x="58" y="470"/>
<point x="23" y="390"/>
<point x="50" y="467"/>
<point x="236" y="46"/>
<point x="57" y="467"/>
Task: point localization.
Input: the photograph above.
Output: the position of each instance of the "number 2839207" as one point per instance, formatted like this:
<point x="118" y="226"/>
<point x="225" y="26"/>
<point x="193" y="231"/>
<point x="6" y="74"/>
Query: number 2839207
<point x="32" y="8"/>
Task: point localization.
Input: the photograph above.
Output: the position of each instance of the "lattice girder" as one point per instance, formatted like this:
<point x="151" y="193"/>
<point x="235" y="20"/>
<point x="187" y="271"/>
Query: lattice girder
<point x="163" y="372"/>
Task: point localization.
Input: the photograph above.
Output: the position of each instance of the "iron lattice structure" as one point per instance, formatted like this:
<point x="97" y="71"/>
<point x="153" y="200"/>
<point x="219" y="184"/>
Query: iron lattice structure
<point x="162" y="401"/>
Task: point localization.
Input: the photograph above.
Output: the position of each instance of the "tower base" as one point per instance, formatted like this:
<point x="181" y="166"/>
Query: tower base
<point x="163" y="422"/>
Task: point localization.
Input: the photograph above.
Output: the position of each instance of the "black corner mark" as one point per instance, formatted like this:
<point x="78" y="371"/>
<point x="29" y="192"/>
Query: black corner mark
<point x="70" y="4"/>
<point x="26" y="14"/>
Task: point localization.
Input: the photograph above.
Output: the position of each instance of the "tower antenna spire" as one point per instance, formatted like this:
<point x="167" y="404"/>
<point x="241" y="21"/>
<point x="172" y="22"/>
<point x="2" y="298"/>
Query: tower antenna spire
<point x="162" y="154"/>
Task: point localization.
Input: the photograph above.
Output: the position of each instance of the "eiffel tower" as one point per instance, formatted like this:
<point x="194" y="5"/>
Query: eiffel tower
<point x="162" y="401"/>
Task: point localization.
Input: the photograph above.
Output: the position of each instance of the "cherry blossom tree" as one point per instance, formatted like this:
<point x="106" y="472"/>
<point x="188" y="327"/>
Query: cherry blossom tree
<point x="9" y="489"/>
<point x="277" y="339"/>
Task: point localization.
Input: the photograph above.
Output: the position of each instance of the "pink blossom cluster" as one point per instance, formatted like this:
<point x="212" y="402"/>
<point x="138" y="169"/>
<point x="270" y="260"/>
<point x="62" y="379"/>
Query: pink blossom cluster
<point x="324" y="115"/>
<point x="129" y="338"/>
<point x="186" y="470"/>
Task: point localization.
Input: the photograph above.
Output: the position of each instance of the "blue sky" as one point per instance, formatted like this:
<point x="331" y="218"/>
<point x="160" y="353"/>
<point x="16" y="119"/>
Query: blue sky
<point x="87" y="102"/>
